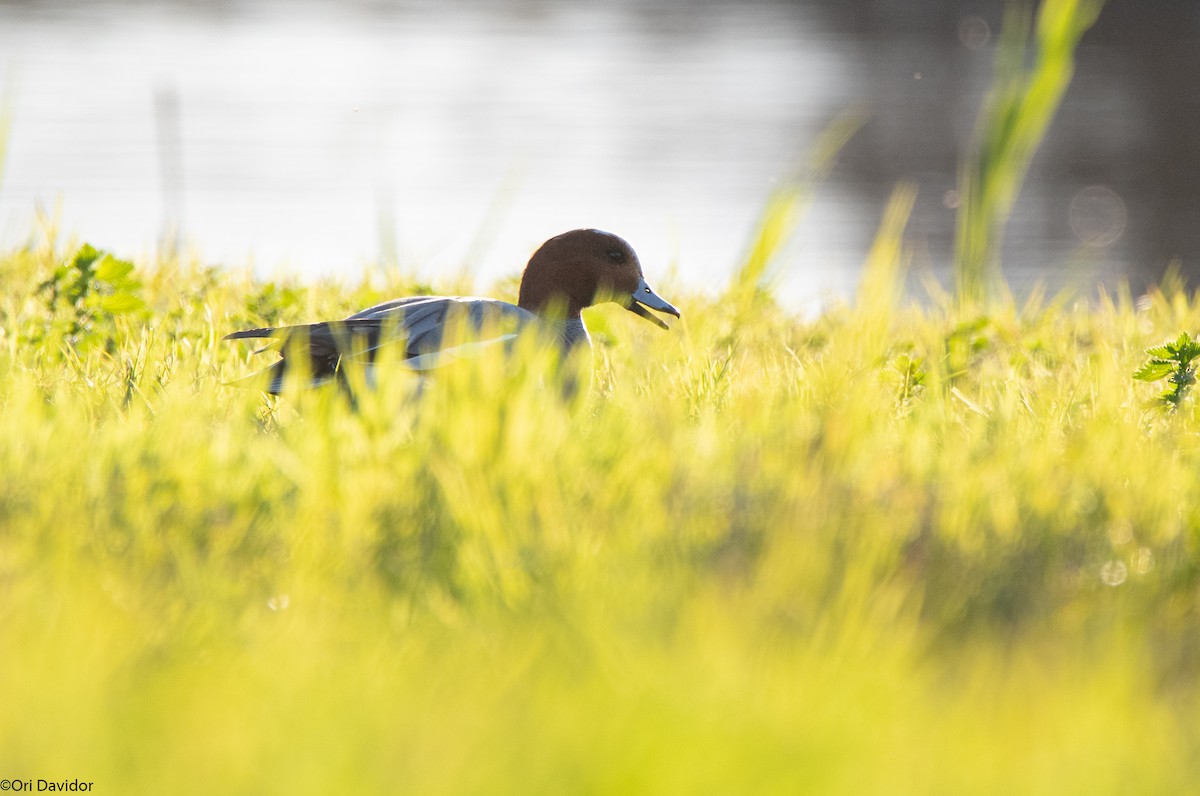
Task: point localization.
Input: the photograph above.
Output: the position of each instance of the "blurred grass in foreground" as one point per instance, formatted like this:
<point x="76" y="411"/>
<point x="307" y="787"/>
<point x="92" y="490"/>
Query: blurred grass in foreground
<point x="892" y="550"/>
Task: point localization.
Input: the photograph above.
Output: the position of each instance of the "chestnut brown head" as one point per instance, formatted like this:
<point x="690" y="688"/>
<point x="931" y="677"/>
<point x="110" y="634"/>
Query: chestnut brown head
<point x="584" y="267"/>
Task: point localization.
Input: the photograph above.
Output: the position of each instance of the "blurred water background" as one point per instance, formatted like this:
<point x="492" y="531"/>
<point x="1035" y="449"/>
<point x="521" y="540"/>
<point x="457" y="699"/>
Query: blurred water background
<point x="330" y="137"/>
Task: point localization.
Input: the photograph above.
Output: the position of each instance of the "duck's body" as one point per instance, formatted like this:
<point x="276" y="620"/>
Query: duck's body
<point x="566" y="274"/>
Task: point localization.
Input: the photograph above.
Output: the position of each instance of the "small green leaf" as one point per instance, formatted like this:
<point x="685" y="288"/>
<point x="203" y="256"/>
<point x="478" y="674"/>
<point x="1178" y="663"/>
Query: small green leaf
<point x="84" y="258"/>
<point x="120" y="303"/>
<point x="1166" y="351"/>
<point x="112" y="270"/>
<point x="1154" y="370"/>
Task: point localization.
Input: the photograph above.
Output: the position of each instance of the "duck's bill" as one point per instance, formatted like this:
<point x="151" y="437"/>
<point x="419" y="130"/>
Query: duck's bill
<point x="644" y="297"/>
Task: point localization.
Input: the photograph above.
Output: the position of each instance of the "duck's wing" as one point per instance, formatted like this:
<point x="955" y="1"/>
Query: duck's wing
<point x="423" y="323"/>
<point x="419" y="323"/>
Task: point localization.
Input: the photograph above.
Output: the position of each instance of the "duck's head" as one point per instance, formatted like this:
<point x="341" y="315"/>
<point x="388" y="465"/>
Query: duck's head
<point x="584" y="267"/>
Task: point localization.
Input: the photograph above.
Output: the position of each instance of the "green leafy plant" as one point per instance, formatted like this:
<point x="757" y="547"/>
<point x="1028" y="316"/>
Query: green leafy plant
<point x="1176" y="362"/>
<point x="84" y="296"/>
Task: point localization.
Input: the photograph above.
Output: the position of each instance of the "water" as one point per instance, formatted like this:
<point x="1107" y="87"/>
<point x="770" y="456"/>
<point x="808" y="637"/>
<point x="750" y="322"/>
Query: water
<point x="328" y="138"/>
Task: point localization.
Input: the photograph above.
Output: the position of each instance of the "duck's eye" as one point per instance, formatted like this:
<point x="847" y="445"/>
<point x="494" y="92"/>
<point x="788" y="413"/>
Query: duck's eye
<point x="617" y="256"/>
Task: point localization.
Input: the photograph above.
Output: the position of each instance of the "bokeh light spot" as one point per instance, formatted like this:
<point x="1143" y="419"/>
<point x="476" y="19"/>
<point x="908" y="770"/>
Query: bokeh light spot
<point x="1098" y="216"/>
<point x="974" y="32"/>
<point x="1113" y="573"/>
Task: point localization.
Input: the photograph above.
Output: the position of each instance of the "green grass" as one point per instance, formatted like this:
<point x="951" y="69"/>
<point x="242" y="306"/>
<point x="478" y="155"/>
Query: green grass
<point x="891" y="550"/>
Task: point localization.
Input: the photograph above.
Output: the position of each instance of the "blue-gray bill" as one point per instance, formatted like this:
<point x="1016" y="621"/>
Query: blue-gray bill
<point x="644" y="297"/>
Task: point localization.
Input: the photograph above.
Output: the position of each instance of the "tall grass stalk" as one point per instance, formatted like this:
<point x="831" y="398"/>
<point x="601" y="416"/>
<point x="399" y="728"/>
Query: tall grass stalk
<point x="881" y="288"/>
<point x="785" y="206"/>
<point x="1012" y="123"/>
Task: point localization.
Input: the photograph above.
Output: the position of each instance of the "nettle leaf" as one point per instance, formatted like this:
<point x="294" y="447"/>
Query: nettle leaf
<point x="119" y="303"/>
<point x="84" y="258"/>
<point x="1154" y="370"/>
<point x="1172" y="361"/>
<point x="112" y="270"/>
<point x="82" y="297"/>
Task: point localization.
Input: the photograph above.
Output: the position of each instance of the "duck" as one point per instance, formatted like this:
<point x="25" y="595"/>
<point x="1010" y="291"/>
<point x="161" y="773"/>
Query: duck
<point x="566" y="274"/>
